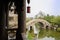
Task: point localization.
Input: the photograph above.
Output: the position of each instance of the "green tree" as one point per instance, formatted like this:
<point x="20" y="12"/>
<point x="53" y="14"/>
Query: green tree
<point x="48" y="18"/>
<point x="56" y="20"/>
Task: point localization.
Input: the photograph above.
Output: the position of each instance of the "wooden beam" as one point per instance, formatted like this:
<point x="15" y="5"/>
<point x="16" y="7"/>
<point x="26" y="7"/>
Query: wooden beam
<point x="3" y="32"/>
<point x="21" y="10"/>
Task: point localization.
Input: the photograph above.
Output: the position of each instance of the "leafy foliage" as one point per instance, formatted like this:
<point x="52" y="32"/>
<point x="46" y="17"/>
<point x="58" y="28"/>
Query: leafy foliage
<point x="56" y="20"/>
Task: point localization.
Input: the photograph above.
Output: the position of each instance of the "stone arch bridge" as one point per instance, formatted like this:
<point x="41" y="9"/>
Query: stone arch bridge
<point x="34" y="21"/>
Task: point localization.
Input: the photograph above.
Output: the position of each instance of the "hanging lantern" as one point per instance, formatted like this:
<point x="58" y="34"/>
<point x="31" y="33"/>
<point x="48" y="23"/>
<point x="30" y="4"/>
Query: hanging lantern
<point x="28" y="1"/>
<point x="28" y="9"/>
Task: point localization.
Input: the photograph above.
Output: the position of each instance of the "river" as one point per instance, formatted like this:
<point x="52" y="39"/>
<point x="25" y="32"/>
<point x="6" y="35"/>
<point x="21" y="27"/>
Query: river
<point x="46" y="35"/>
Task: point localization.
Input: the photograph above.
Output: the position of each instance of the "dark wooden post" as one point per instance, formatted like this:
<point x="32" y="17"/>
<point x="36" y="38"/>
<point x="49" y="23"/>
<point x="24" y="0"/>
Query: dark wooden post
<point x="3" y="32"/>
<point x="21" y="10"/>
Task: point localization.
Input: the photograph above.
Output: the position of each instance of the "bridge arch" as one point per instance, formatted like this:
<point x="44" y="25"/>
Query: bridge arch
<point x="39" y="25"/>
<point x="42" y="21"/>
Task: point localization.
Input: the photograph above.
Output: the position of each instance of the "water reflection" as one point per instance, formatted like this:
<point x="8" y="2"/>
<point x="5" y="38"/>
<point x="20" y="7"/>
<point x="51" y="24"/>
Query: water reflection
<point x="49" y="34"/>
<point x="42" y="35"/>
<point x="45" y="35"/>
<point x="47" y="38"/>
